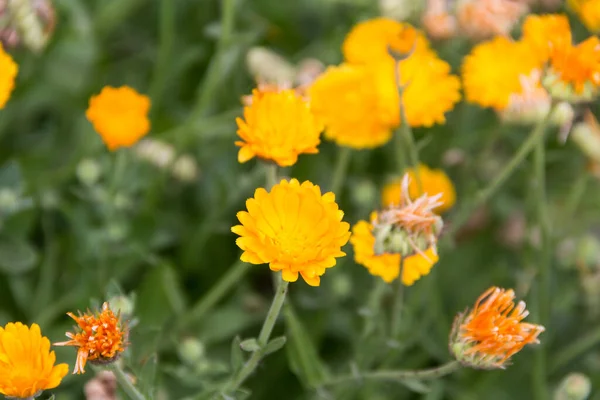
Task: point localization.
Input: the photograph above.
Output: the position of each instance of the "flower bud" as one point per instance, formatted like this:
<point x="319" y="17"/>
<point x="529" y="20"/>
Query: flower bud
<point x="401" y="10"/>
<point x="562" y="91"/>
<point x="9" y="200"/>
<point x="185" y="169"/>
<point x="191" y="351"/>
<point x="587" y="139"/>
<point x="267" y="66"/>
<point x="123" y="305"/>
<point x="88" y="171"/>
<point x="32" y="21"/>
<point x="575" y="386"/>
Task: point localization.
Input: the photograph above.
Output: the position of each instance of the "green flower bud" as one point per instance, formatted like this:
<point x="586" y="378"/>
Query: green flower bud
<point x="88" y="171"/>
<point x="191" y="351"/>
<point x="575" y="386"/>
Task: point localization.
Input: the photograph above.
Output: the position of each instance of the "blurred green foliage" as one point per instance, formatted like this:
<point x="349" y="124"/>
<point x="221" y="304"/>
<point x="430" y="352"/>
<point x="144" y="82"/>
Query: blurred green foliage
<point x="69" y="240"/>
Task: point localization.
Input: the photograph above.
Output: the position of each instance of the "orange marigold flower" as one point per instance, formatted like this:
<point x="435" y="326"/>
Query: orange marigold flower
<point x="346" y="100"/>
<point x="492" y="71"/>
<point x="8" y="73"/>
<point x="120" y="116"/>
<point x="294" y="228"/>
<point x="589" y="13"/>
<point x="278" y="125"/>
<point x="26" y="362"/>
<point x="433" y="181"/>
<point x="101" y="337"/>
<point x="387" y="265"/>
<point x="492" y="332"/>
<point x="424" y="104"/>
<point x="546" y="32"/>
<point x="368" y="41"/>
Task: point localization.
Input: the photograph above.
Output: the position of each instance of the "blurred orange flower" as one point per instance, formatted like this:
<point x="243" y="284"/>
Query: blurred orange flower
<point x="8" y="73"/>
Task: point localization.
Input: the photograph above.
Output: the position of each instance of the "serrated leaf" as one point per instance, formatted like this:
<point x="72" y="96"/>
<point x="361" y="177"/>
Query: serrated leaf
<point x="250" y="345"/>
<point x="301" y="352"/>
<point x="16" y="256"/>
<point x="415" y="386"/>
<point x="274" y="345"/>
<point x="237" y="357"/>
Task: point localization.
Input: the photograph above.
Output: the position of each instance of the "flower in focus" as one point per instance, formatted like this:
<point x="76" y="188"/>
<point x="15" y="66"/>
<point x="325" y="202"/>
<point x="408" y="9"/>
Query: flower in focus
<point x="100" y="337"/>
<point x="278" y="125"/>
<point x="492" y="332"/>
<point x="424" y="104"/>
<point x="369" y="41"/>
<point x="8" y="73"/>
<point x="294" y="228"/>
<point x="26" y="362"/>
<point x="589" y="13"/>
<point x="481" y="19"/>
<point x="119" y="115"/>
<point x="387" y="265"/>
<point x="346" y="100"/>
<point x="493" y="71"/>
<point x="433" y="181"/>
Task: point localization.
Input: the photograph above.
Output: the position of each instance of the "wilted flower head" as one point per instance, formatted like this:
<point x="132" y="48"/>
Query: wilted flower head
<point x="345" y="98"/>
<point x="588" y="11"/>
<point x="100" y="337"/>
<point x="26" y="362"/>
<point x="586" y="135"/>
<point x="119" y="115"/>
<point x="492" y="332"/>
<point x="433" y="181"/>
<point x="529" y="105"/>
<point x="387" y="265"/>
<point x="439" y="20"/>
<point x="8" y="73"/>
<point x="277" y="126"/>
<point x="481" y="19"/>
<point x="293" y="228"/>
<point x="29" y="21"/>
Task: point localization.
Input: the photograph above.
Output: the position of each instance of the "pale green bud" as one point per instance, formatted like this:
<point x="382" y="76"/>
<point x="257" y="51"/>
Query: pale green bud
<point x="122" y="304"/>
<point x="575" y="386"/>
<point x="9" y="200"/>
<point x="268" y="66"/>
<point x="191" y="351"/>
<point x="587" y="140"/>
<point x="88" y="171"/>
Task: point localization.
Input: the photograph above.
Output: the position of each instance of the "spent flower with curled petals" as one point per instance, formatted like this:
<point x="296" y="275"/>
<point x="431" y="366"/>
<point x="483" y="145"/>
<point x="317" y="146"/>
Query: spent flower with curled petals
<point x="278" y="126"/>
<point x="8" y="73"/>
<point x="294" y="228"/>
<point x="492" y="332"/>
<point x="26" y="362"/>
<point x="101" y="337"/>
<point x="119" y="115"/>
<point x="481" y="19"/>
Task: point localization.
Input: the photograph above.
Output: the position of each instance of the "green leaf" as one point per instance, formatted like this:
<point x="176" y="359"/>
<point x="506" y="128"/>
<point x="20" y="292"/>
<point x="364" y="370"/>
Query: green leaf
<point x="16" y="256"/>
<point x="416" y="386"/>
<point x="274" y="345"/>
<point x="147" y="376"/>
<point x="237" y="357"/>
<point x="250" y="345"/>
<point x="301" y="352"/>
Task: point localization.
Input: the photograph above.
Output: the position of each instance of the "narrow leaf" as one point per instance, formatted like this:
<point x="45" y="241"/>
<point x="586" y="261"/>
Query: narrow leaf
<point x="250" y="345"/>
<point x="274" y="345"/>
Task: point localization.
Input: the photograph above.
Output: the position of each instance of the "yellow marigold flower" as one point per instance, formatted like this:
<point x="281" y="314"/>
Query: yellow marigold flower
<point x="545" y="32"/>
<point x="493" y="331"/>
<point x="100" y="337"/>
<point x="433" y="181"/>
<point x="26" y="362"/>
<point x="278" y="125"/>
<point x="8" y="73"/>
<point x="119" y="115"/>
<point x="492" y="71"/>
<point x="368" y="41"/>
<point x="293" y="228"/>
<point x="346" y="100"/>
<point x="387" y="266"/>
<point x="589" y="13"/>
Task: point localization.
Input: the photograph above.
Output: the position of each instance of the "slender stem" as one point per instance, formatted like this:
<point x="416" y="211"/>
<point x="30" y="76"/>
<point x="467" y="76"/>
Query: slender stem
<point x="341" y="167"/>
<point x="483" y="195"/>
<point x="214" y="295"/>
<point x="166" y="39"/>
<point x="544" y="299"/>
<point x="48" y="271"/>
<point x="124" y="382"/>
<point x="398" y="303"/>
<point x="263" y="338"/>
<point x="374" y="306"/>
<point x="271" y="175"/>
<point x="576" y="349"/>
<point x="576" y="194"/>
<point x="399" y="375"/>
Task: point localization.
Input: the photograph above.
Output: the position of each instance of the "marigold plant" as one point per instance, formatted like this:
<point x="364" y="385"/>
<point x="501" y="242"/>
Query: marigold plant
<point x="433" y="181"/>
<point x="101" y="337"/>
<point x="294" y="228"/>
<point x="27" y="366"/>
<point x="278" y="126"/>
<point x="8" y="73"/>
<point x="120" y="116"/>
<point x="492" y="332"/>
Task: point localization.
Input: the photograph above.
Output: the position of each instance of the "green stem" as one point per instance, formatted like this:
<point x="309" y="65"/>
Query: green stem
<point x="544" y="299"/>
<point x="576" y="349"/>
<point x="166" y="40"/>
<point x="398" y="303"/>
<point x="575" y="196"/>
<point x="483" y="195"/>
<point x="228" y="281"/>
<point x="399" y="375"/>
<point x="46" y="283"/>
<point x="374" y="306"/>
<point x="271" y="175"/>
<point x="263" y="338"/>
<point x="341" y="167"/>
<point x="124" y="382"/>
